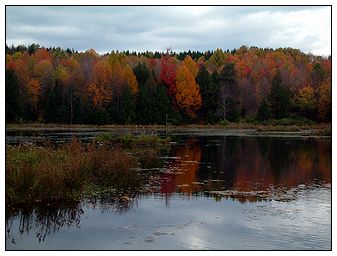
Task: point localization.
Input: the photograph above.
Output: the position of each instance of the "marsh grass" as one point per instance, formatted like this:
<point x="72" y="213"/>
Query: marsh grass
<point x="149" y="158"/>
<point x="35" y="174"/>
<point x="147" y="149"/>
<point x="323" y="132"/>
<point x="133" y="141"/>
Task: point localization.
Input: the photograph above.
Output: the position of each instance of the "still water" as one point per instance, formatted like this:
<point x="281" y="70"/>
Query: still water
<point x="211" y="192"/>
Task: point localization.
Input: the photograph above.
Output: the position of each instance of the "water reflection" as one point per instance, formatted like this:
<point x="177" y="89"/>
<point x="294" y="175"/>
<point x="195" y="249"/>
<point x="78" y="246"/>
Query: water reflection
<point x="44" y="220"/>
<point x="118" y="205"/>
<point x="48" y="219"/>
<point x="241" y="168"/>
<point x="182" y="174"/>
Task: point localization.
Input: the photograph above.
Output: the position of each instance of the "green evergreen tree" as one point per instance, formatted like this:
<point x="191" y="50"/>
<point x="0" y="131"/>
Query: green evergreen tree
<point x="279" y="97"/>
<point x="154" y="105"/>
<point x="166" y="111"/>
<point x="146" y="106"/>
<point x="55" y="110"/>
<point x="142" y="74"/>
<point x="12" y="95"/>
<point x="264" y="112"/>
<point x="33" y="48"/>
<point x="318" y="75"/>
<point x="209" y="93"/>
<point x="127" y="107"/>
<point x="98" y="116"/>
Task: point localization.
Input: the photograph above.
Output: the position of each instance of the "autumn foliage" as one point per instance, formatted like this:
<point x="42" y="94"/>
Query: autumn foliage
<point x="64" y="86"/>
<point x="187" y="91"/>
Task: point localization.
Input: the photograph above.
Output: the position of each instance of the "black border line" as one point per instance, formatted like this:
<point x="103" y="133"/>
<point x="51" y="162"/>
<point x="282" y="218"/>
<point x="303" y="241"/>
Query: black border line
<point x="185" y="5"/>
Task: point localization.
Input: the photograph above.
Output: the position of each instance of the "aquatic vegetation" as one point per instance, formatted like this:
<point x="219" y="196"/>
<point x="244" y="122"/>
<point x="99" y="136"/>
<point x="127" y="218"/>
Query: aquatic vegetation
<point x="149" y="158"/>
<point x="105" y="136"/>
<point x="75" y="170"/>
<point x="62" y="173"/>
<point x="146" y="148"/>
<point x="130" y="141"/>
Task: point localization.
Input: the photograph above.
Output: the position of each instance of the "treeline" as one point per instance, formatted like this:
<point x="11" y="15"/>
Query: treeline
<point x="57" y="85"/>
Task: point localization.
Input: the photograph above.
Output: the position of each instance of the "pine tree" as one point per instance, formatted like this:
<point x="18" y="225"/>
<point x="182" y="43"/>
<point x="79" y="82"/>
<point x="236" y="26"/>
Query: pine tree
<point x="12" y="96"/>
<point x="279" y="97"/>
<point x="264" y="112"/>
<point x="209" y="93"/>
<point x="128" y="107"/>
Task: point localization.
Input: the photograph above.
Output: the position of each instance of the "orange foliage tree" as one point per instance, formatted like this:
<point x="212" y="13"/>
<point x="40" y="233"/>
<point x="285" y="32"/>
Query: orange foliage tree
<point x="99" y="89"/>
<point x="187" y="91"/>
<point x="130" y="79"/>
<point x="84" y="78"/>
<point x="98" y="95"/>
<point x="33" y="91"/>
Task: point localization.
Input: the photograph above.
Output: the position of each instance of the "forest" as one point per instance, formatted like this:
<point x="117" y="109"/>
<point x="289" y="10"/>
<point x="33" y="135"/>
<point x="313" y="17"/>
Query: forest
<point x="249" y="84"/>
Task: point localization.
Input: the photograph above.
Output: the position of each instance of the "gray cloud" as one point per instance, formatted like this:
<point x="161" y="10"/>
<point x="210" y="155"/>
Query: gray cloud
<point x="183" y="28"/>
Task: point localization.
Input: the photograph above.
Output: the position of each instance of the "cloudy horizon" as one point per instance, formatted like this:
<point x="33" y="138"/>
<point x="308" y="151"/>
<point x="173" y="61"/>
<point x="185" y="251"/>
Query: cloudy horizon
<point x="182" y="28"/>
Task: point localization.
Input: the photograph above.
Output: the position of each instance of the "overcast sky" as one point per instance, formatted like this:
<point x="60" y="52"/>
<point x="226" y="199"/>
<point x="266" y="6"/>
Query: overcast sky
<point x="181" y="28"/>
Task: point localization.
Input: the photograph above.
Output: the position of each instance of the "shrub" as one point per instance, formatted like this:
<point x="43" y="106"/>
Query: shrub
<point x="223" y="123"/>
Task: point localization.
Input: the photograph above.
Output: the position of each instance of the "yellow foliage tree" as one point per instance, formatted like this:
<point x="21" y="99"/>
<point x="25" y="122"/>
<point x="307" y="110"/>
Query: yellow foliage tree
<point x="130" y="79"/>
<point x="43" y="69"/>
<point x="73" y="64"/>
<point x="92" y="53"/>
<point x="191" y="65"/>
<point x="187" y="91"/>
<point x="217" y="60"/>
<point x="306" y="98"/>
<point x="61" y="74"/>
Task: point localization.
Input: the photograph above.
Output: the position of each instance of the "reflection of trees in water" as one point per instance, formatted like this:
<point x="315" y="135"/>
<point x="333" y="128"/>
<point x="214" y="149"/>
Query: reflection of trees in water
<point x="44" y="220"/>
<point x="276" y="153"/>
<point x="324" y="165"/>
<point x="246" y="164"/>
<point x="295" y="161"/>
<point x="184" y="169"/>
<point x="252" y="164"/>
<point x="229" y="157"/>
<point x="47" y="220"/>
<point x="220" y="162"/>
<point x="118" y="205"/>
<point x="190" y="156"/>
<point x="240" y="164"/>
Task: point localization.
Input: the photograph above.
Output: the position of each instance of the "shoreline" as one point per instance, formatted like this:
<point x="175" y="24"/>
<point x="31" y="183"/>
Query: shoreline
<point x="235" y="129"/>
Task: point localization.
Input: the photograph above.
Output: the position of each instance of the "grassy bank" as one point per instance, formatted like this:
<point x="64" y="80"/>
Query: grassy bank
<point x="285" y="124"/>
<point x="74" y="170"/>
<point x="109" y="132"/>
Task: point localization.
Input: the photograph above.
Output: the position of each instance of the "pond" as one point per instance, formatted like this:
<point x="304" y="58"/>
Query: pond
<point x="211" y="192"/>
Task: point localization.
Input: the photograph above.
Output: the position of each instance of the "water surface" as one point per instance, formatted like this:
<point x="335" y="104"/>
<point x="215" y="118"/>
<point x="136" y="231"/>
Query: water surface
<point x="211" y="192"/>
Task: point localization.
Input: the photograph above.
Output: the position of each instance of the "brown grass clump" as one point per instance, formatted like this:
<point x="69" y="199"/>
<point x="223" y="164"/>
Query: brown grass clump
<point x="148" y="158"/>
<point x="61" y="173"/>
<point x="112" y="166"/>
